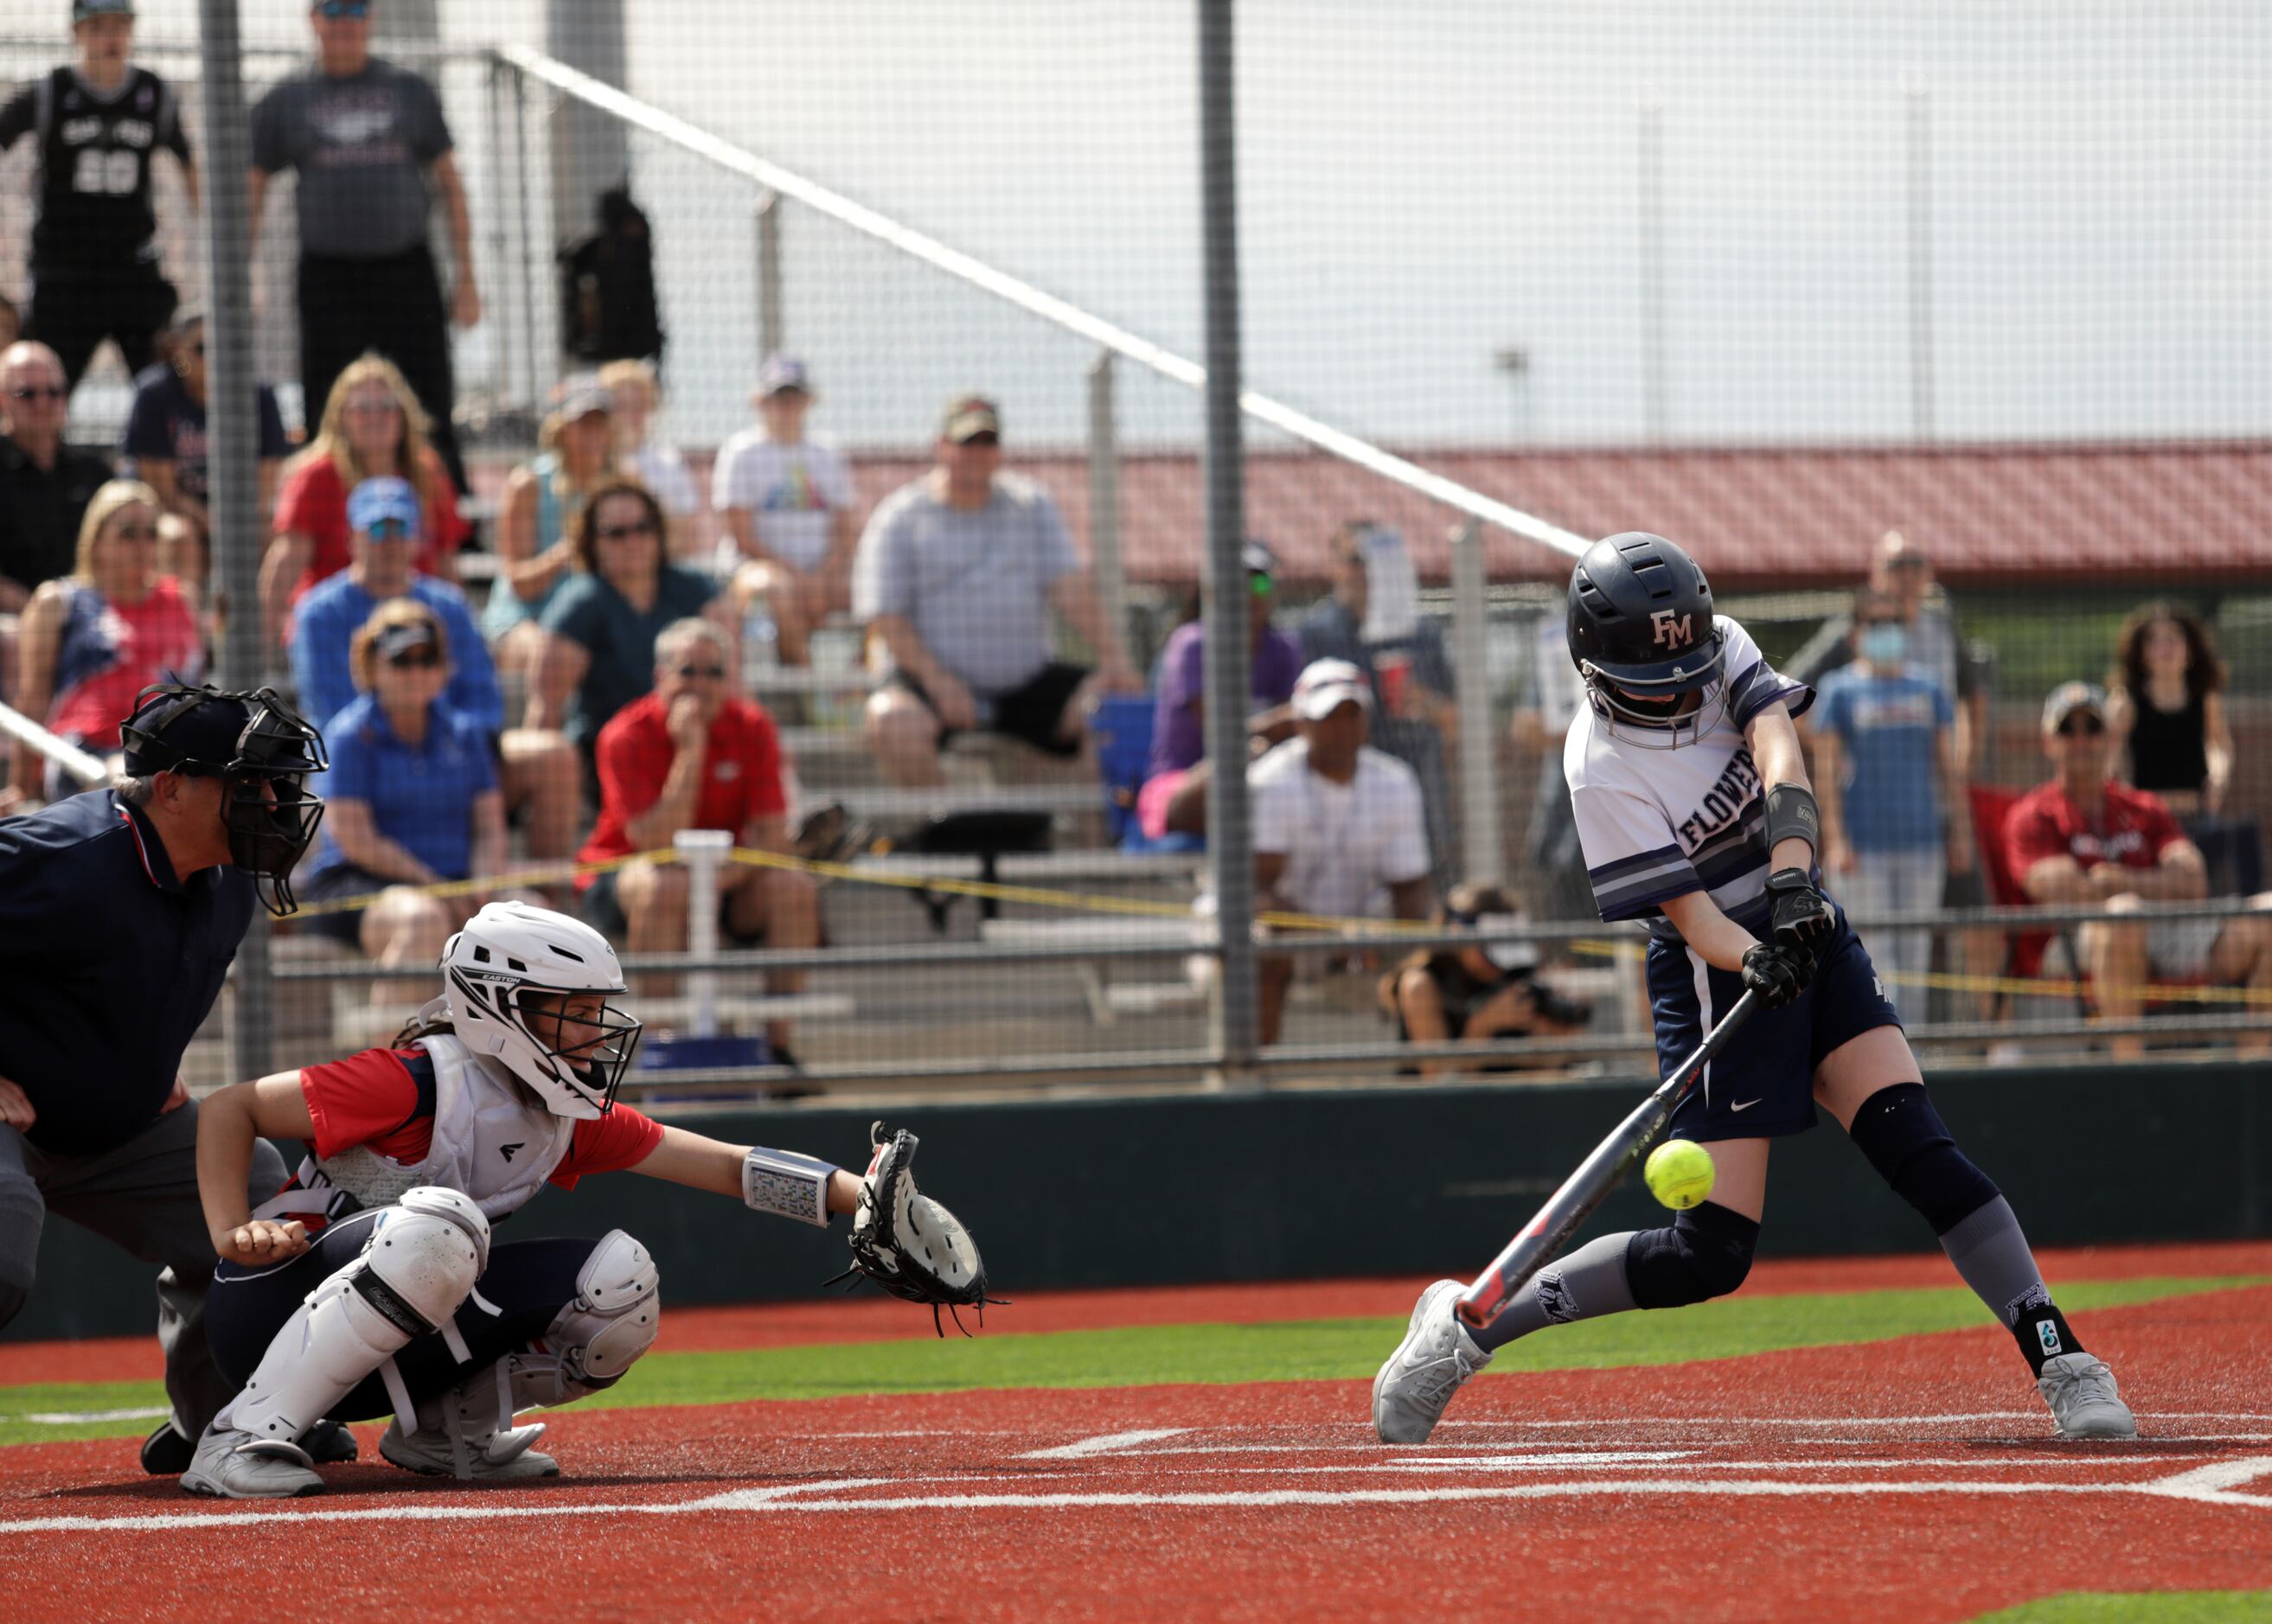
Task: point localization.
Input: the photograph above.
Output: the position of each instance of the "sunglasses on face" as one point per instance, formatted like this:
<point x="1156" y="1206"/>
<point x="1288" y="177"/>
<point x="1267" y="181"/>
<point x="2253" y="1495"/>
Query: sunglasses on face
<point x="38" y="391"/>
<point x="389" y="530"/>
<point x="2081" y="728"/>
<point x="197" y="350"/>
<point x="712" y="673"/>
<point x="372" y="408"/>
<point x="344" y="9"/>
<point x="135" y="532"/>
<point x="415" y="660"/>
<point x="984" y="437"/>
<point x="625" y="532"/>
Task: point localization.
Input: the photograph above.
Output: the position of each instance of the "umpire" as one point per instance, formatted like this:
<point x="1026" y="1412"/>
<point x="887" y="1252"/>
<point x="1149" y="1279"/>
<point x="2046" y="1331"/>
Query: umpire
<point x="120" y="912"/>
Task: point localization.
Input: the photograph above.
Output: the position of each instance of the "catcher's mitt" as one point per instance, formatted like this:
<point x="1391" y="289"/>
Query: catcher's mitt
<point x="907" y="1243"/>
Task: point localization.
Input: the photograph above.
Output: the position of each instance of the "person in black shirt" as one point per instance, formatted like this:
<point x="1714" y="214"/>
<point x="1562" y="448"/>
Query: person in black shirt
<point x="44" y="484"/>
<point x="120" y="912"/>
<point x="94" y="269"/>
<point x="1471" y="994"/>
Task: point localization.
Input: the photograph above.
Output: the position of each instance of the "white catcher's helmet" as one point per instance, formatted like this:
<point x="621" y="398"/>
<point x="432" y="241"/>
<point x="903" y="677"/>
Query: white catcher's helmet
<point x="509" y="950"/>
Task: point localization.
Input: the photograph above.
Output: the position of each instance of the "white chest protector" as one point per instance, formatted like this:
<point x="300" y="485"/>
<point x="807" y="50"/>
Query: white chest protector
<point x="491" y="1142"/>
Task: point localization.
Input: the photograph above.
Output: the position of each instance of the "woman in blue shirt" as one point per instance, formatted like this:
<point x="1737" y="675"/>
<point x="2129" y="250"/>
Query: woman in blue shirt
<point x="414" y="797"/>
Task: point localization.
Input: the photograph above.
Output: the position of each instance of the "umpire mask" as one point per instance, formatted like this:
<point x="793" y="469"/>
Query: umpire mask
<point x="263" y="752"/>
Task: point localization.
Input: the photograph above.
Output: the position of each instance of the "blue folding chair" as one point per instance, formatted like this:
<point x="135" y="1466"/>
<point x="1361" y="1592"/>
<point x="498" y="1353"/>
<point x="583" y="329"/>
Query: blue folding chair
<point x="1120" y="730"/>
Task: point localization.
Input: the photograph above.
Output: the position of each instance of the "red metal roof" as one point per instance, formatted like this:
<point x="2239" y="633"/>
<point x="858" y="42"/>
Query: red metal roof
<point x="1987" y="514"/>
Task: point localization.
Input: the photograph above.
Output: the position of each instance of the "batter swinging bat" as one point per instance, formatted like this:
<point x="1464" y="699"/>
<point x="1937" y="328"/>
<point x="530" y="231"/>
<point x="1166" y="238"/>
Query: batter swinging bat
<point x="1542" y="1239"/>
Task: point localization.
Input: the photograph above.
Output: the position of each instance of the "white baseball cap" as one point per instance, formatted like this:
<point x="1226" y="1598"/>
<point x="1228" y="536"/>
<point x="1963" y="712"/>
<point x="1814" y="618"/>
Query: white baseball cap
<point x="1325" y="686"/>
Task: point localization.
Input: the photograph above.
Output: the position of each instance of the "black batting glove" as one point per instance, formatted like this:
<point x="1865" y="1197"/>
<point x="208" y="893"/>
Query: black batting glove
<point x="1776" y="973"/>
<point x="1800" y="917"/>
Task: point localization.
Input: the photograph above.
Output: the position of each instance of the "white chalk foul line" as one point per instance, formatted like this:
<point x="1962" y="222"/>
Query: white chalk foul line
<point x="74" y="1418"/>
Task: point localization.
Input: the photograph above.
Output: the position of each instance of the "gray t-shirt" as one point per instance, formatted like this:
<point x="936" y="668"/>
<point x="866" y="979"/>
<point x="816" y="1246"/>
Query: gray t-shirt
<point x="362" y="145"/>
<point x="976" y="585"/>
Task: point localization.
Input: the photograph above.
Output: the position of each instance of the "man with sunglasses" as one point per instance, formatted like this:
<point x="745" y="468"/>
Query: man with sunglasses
<point x="373" y="153"/>
<point x="166" y="437"/>
<point x="2085" y="839"/>
<point x="44" y="484"/>
<point x="120" y="910"/>
<point x="957" y="574"/>
<point x="694" y="754"/>
<point x="99" y="122"/>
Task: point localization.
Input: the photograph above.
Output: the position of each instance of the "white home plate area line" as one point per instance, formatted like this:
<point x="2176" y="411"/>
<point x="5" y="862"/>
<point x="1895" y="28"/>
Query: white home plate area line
<point x="1099" y="1471"/>
<point x="2210" y="1486"/>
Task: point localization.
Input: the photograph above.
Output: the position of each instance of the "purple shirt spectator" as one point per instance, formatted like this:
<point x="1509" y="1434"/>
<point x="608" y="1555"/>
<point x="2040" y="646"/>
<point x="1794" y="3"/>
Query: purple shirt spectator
<point x="1178" y="741"/>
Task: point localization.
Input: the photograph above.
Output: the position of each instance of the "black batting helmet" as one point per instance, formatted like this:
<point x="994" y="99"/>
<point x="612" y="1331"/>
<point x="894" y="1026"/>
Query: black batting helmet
<point x="1644" y="637"/>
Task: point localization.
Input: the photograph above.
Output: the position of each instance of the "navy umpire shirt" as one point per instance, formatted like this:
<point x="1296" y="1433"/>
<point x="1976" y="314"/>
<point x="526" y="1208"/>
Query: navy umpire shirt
<point x="112" y="963"/>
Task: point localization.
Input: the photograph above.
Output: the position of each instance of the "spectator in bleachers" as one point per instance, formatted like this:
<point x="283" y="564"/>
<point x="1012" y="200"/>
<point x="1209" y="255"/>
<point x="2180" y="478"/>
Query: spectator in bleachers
<point x="1173" y="798"/>
<point x="2085" y="839"/>
<point x="598" y="653"/>
<point x="789" y="511"/>
<point x="694" y="754"/>
<point x="166" y="439"/>
<point x="371" y="427"/>
<point x="1472" y="994"/>
<point x="636" y="394"/>
<point x="1339" y="832"/>
<point x="1371" y="619"/>
<point x="536" y="523"/>
<point x="1895" y="817"/>
<point x="91" y="641"/>
<point x="956" y="575"/>
<point x="372" y="151"/>
<point x="1556" y="861"/>
<point x="45" y="485"/>
<point x="2165" y="709"/>
<point x="1902" y="570"/>
<point x="412" y="798"/>
<point x="538" y="772"/>
<point x="100" y="125"/>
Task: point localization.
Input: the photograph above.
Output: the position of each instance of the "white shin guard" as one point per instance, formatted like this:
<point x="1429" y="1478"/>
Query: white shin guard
<point x="418" y="1266"/>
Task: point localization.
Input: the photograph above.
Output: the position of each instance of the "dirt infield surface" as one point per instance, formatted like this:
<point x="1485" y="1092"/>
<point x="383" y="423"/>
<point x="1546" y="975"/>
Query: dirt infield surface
<point x="1912" y="1480"/>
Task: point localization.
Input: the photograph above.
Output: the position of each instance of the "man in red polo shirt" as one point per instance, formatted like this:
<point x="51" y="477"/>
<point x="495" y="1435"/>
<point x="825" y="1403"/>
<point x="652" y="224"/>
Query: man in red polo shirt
<point x="2084" y="838"/>
<point x="695" y="755"/>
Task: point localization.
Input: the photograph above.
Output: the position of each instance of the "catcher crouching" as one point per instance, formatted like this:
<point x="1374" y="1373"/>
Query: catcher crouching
<point x="371" y="1286"/>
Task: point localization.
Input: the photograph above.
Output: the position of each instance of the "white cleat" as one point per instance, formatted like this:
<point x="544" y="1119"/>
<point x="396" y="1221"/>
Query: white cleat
<point x="503" y="1457"/>
<point x="236" y="1465"/>
<point x="2080" y="1390"/>
<point x="1433" y="1362"/>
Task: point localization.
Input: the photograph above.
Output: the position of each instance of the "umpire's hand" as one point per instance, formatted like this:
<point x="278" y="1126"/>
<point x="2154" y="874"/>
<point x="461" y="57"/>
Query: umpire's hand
<point x="261" y="1240"/>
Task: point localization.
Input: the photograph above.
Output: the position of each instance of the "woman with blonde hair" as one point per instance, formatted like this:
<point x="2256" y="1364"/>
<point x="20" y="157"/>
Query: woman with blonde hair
<point x="637" y="393"/>
<point x="412" y="800"/>
<point x="372" y="425"/>
<point x="89" y="641"/>
<point x="542" y="499"/>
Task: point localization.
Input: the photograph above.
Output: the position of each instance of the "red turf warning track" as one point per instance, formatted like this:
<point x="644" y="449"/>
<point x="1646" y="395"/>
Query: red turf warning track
<point x="1911" y="1481"/>
<point x="880" y="1319"/>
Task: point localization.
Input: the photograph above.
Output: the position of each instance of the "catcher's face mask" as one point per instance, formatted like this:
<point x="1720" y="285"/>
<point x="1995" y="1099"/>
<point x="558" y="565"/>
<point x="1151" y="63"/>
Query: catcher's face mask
<point x="264" y="754"/>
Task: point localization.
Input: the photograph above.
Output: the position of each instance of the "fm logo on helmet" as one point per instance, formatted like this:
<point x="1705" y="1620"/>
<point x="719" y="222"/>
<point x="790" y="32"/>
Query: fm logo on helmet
<point x="1674" y="629"/>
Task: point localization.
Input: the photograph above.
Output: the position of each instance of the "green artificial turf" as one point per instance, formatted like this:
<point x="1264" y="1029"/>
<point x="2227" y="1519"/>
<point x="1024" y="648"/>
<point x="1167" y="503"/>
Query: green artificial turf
<point x="1310" y="1350"/>
<point x="2156" y="1607"/>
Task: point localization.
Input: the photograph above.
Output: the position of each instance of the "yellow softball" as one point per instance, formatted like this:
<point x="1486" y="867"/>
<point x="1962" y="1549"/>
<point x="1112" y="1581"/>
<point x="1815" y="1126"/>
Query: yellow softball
<point x="1679" y="1172"/>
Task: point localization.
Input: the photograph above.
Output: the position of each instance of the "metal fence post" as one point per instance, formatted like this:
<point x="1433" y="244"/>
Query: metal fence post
<point x="1920" y="233"/>
<point x="704" y="851"/>
<point x="235" y="481"/>
<point x="1105" y="565"/>
<point x="1651" y="184"/>
<point x="1479" y="805"/>
<point x="530" y="257"/>
<point x="769" y="275"/>
<point x="504" y="287"/>
<point x="1230" y="834"/>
